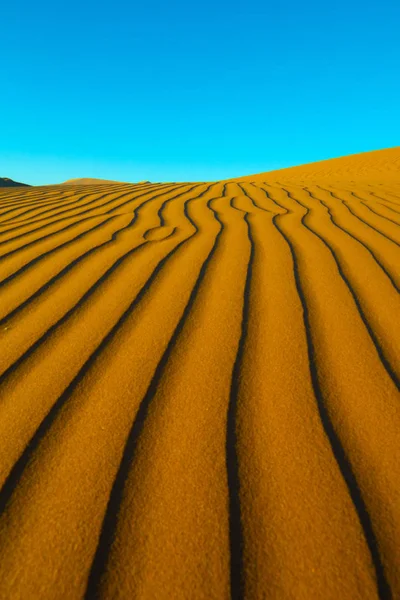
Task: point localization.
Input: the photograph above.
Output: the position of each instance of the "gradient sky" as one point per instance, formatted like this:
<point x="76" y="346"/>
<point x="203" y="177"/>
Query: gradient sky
<point x="174" y="91"/>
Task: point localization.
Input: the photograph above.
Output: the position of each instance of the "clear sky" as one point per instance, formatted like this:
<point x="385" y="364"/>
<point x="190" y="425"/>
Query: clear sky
<point x="181" y="90"/>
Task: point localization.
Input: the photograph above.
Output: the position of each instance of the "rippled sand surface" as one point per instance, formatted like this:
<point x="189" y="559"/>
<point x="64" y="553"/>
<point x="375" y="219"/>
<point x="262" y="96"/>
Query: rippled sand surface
<point x="199" y="390"/>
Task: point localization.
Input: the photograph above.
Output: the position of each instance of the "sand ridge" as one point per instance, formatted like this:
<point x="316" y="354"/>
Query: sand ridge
<point x="199" y="387"/>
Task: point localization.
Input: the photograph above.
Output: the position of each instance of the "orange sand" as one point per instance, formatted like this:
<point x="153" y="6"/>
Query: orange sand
<point x="199" y="390"/>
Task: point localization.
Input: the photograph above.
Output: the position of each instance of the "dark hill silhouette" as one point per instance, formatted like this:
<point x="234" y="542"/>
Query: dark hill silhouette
<point x="6" y="182"/>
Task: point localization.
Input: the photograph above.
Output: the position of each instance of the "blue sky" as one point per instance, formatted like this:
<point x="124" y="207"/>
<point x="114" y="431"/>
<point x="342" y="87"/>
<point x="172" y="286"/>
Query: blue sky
<point x="175" y="91"/>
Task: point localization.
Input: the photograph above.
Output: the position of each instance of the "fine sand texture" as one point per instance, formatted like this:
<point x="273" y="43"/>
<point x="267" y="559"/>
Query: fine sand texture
<point x="199" y="390"/>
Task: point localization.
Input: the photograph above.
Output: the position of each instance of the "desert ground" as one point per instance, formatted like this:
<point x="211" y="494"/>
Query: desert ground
<point x="199" y="390"/>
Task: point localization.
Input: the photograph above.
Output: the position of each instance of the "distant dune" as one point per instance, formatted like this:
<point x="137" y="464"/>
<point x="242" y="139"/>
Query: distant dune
<point x="199" y="387"/>
<point x="89" y="181"/>
<point x="6" y="182"/>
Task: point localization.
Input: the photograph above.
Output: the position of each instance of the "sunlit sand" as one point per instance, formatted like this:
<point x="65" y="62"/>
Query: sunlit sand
<point x="199" y="391"/>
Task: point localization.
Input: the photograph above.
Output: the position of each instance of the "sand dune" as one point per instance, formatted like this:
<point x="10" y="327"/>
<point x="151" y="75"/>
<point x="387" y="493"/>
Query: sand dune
<point x="199" y="389"/>
<point x="379" y="167"/>
<point x="88" y="181"/>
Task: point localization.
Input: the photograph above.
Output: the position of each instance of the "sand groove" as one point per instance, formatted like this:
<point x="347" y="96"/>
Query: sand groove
<point x="199" y="389"/>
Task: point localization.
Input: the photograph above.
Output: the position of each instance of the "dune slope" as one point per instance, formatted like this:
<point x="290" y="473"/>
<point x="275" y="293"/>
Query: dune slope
<point x="376" y="167"/>
<point x="199" y="387"/>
